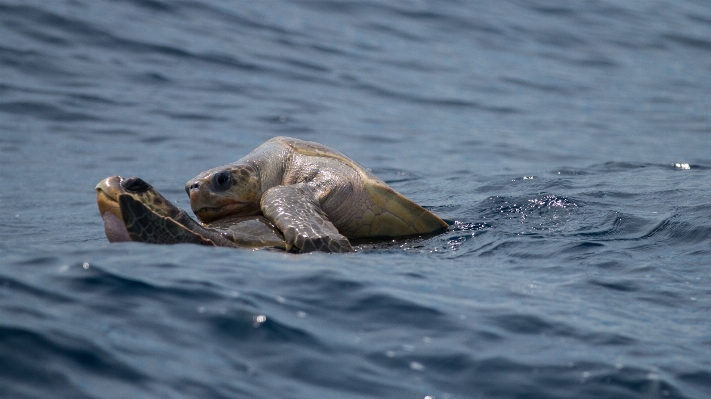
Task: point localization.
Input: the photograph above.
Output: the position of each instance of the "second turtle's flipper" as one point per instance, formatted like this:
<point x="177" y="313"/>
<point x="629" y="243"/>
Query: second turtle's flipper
<point x="296" y="212"/>
<point x="144" y="225"/>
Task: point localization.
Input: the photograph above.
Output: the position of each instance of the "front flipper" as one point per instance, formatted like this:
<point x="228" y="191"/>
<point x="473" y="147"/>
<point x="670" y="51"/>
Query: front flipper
<point x="144" y="225"/>
<point x="296" y="212"/>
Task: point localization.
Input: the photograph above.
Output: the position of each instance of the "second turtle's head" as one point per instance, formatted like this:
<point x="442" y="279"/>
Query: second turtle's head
<point x="108" y="192"/>
<point x="225" y="191"/>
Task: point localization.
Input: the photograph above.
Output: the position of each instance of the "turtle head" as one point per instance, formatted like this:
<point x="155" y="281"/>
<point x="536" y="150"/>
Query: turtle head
<point x="108" y="192"/>
<point x="228" y="190"/>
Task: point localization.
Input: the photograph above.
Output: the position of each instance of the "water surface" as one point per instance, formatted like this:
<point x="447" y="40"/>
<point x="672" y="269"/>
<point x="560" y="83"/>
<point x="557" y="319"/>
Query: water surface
<point x="567" y="143"/>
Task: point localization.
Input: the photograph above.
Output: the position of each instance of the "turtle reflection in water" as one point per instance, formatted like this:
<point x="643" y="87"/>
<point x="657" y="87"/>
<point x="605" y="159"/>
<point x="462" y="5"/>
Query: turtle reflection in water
<point x="315" y="196"/>
<point x="134" y="211"/>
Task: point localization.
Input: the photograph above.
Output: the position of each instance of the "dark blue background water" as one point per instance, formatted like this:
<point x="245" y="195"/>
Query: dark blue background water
<point x="555" y="134"/>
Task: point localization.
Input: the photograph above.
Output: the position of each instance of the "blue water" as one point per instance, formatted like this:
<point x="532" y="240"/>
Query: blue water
<point x="567" y="142"/>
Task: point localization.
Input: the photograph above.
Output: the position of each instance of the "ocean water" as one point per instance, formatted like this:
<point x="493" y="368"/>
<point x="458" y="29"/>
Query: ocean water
<point x="566" y="142"/>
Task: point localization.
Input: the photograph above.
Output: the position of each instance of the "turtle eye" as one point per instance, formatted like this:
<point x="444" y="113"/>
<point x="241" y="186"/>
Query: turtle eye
<point x="222" y="181"/>
<point x="135" y="185"/>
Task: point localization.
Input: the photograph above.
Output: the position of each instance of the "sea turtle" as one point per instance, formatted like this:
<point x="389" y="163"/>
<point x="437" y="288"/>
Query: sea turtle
<point x="317" y="196"/>
<point x="134" y="211"/>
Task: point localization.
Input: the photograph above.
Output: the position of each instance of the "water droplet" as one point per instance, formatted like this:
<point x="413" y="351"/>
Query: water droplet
<point x="417" y="366"/>
<point x="652" y="376"/>
<point x="85" y="265"/>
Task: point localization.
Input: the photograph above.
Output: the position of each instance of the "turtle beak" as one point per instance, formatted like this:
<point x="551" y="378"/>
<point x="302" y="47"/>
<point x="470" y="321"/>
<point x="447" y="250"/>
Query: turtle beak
<point x="107" y="192"/>
<point x="199" y="192"/>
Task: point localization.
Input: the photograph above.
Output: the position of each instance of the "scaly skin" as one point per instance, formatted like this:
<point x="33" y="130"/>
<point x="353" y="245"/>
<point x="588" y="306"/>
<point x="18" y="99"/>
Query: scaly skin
<point x="314" y="194"/>
<point x="144" y="225"/>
